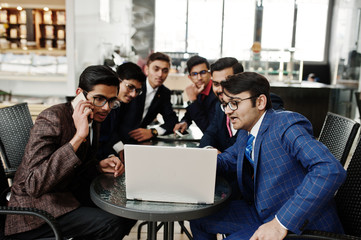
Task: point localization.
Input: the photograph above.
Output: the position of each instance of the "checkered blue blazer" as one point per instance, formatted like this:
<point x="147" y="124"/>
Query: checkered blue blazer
<point x="295" y="176"/>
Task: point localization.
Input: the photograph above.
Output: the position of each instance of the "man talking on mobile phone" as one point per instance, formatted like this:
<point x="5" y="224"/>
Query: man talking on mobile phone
<point x="60" y="162"/>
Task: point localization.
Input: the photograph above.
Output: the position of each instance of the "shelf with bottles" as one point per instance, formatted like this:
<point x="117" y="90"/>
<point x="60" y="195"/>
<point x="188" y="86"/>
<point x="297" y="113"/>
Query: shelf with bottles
<point x="13" y="28"/>
<point x="52" y="29"/>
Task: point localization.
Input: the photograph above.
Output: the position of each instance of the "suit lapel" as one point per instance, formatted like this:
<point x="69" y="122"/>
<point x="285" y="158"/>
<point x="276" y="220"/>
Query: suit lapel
<point x="153" y="105"/>
<point x="140" y="102"/>
<point x="260" y="137"/>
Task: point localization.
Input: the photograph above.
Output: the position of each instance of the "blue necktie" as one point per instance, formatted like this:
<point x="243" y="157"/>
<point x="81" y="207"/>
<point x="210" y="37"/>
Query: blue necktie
<point x="249" y="148"/>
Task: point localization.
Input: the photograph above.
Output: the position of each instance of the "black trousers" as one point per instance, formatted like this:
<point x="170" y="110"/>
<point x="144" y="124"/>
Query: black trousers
<point x="84" y="223"/>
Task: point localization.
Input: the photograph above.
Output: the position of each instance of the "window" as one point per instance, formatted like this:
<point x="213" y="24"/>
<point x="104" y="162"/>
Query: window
<point x="215" y="28"/>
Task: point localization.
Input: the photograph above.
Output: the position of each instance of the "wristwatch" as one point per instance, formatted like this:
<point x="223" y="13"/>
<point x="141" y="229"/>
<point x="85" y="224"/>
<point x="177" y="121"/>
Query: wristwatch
<point x="154" y="132"/>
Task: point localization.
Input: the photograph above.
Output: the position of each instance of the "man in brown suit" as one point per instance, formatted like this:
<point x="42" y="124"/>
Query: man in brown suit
<point x="59" y="164"/>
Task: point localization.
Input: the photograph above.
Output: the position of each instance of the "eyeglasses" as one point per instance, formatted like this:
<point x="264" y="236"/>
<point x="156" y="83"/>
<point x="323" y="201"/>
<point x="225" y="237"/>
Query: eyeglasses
<point x="201" y="73"/>
<point x="132" y="88"/>
<point x="100" y="101"/>
<point x="233" y="104"/>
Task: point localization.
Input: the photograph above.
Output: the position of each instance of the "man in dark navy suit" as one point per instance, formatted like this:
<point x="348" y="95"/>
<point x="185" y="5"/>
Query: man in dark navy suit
<point x="154" y="100"/>
<point x="131" y="78"/>
<point x="221" y="134"/>
<point x="200" y="95"/>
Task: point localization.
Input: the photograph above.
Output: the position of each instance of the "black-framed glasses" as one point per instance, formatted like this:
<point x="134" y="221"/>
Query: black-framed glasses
<point x="233" y="104"/>
<point x="100" y="101"/>
<point x="201" y="73"/>
<point x="132" y="88"/>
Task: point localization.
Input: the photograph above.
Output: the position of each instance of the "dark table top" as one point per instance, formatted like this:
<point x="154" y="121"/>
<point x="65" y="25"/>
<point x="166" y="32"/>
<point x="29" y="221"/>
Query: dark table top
<point x="192" y="135"/>
<point x="108" y="193"/>
<point x="172" y="143"/>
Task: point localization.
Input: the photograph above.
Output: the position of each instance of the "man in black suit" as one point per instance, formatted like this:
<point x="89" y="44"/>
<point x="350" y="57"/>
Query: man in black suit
<point x="154" y="100"/>
<point x="200" y="94"/>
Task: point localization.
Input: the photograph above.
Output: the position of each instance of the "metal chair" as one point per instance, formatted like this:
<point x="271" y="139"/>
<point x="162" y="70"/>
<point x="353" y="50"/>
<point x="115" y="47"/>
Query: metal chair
<point x="348" y="201"/>
<point x="15" y="125"/>
<point x="338" y="134"/>
<point x="4" y="210"/>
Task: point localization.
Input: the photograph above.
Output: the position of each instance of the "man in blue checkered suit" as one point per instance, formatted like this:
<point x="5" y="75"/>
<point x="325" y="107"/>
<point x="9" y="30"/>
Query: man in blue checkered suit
<point x="290" y="178"/>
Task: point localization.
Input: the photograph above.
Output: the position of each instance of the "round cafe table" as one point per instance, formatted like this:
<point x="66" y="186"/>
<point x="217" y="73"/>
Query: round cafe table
<point x="108" y="193"/>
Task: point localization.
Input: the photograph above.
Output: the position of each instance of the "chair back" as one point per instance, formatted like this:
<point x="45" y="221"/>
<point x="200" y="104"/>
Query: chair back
<point x="338" y="133"/>
<point x="348" y="197"/>
<point x="4" y="189"/>
<point x="15" y="126"/>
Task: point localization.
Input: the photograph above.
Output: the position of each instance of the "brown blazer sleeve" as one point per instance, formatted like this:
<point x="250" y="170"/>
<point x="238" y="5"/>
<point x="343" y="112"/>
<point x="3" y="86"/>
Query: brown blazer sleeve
<point x="49" y="158"/>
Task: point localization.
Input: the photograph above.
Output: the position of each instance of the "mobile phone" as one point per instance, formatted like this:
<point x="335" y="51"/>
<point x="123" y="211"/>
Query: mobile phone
<point x="77" y="99"/>
<point x="181" y="134"/>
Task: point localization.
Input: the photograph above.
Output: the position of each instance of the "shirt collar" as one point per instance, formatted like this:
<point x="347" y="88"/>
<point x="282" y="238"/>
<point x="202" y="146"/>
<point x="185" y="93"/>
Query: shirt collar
<point x="207" y="89"/>
<point x="255" y="129"/>
<point x="149" y="87"/>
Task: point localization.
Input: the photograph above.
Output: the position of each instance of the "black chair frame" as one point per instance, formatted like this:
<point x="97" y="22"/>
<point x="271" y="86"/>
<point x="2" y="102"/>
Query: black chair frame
<point x="15" y="126"/>
<point x="338" y="134"/>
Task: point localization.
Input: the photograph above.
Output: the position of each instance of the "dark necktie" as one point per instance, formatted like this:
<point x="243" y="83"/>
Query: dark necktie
<point x="248" y="151"/>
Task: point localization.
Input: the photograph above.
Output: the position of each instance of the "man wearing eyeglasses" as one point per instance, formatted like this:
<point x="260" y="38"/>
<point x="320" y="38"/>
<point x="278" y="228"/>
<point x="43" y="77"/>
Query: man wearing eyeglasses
<point x="201" y="98"/>
<point x="221" y="134"/>
<point x="59" y="164"/>
<point x="130" y="86"/>
<point x="286" y="177"/>
<point x="154" y="100"/>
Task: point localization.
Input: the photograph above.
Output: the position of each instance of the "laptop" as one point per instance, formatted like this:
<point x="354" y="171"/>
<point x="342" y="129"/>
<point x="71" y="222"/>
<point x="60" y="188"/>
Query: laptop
<point x="170" y="174"/>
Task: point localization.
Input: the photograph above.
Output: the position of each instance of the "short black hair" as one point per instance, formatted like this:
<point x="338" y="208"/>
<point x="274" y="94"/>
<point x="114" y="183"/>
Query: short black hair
<point x="98" y="74"/>
<point x="227" y="62"/>
<point x="196" y="60"/>
<point x="253" y="82"/>
<point x="158" y="56"/>
<point x="130" y="70"/>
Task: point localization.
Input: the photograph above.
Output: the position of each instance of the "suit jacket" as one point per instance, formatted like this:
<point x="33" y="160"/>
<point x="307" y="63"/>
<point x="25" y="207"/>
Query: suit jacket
<point x="217" y="134"/>
<point x="201" y="111"/>
<point x="295" y="176"/>
<point x="109" y="132"/>
<point x="51" y="176"/>
<point x="133" y="113"/>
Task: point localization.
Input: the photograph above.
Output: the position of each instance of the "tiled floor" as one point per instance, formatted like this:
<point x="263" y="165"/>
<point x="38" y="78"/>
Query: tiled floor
<point x="177" y="233"/>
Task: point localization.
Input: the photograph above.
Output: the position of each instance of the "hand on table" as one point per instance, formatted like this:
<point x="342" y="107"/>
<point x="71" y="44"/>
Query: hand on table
<point x="112" y="164"/>
<point x="271" y="230"/>
<point x="141" y="134"/>
<point x="182" y="126"/>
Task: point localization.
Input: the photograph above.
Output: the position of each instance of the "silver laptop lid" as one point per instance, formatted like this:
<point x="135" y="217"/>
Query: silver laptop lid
<point x="170" y="174"/>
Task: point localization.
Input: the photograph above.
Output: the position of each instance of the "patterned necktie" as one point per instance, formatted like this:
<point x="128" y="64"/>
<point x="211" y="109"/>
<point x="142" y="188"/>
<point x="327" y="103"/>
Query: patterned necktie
<point x="248" y="150"/>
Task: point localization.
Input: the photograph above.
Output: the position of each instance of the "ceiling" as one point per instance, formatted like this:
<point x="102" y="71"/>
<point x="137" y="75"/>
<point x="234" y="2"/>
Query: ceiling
<point x="59" y="4"/>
